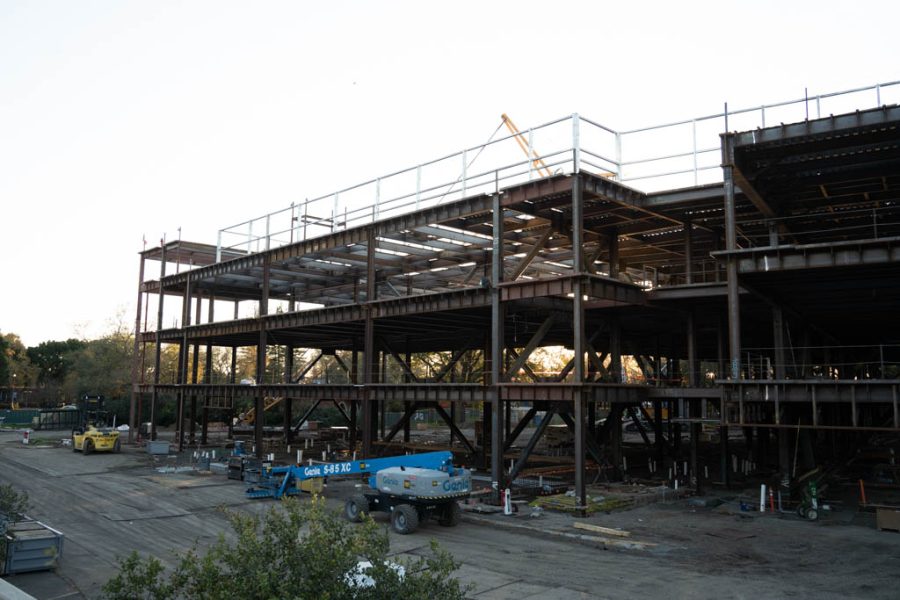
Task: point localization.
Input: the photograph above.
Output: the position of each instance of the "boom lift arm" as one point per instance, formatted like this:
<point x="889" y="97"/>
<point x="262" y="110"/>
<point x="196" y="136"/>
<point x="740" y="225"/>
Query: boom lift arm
<point x="280" y="481"/>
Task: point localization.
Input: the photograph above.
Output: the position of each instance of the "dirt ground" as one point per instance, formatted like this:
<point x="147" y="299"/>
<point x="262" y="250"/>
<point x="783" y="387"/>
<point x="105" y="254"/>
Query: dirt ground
<point x="107" y="505"/>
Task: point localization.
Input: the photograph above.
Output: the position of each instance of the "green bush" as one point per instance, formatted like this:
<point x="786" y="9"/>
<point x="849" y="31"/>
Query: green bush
<point x="298" y="550"/>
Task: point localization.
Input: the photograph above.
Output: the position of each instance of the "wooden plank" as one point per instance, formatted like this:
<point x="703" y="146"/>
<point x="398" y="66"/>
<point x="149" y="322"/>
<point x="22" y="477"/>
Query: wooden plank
<point x="603" y="530"/>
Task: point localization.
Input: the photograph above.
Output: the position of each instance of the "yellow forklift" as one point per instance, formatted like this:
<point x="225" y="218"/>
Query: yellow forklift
<point x="94" y="434"/>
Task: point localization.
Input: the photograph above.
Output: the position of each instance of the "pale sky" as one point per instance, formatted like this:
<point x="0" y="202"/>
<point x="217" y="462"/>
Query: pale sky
<point x="120" y="120"/>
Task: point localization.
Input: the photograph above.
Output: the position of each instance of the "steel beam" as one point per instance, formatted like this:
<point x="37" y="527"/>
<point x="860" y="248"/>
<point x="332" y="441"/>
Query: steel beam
<point x="403" y="364"/>
<point x="854" y="253"/>
<point x="304" y="418"/>
<point x="308" y="367"/>
<point x="872" y="119"/>
<point x="530" y="347"/>
<point x="520" y="427"/>
<point x="530" y="256"/>
<point x="409" y="410"/>
<point x="590" y="443"/>
<point x="511" y="353"/>
<point x="454" y="430"/>
<point x="532" y="442"/>
<point x="640" y="427"/>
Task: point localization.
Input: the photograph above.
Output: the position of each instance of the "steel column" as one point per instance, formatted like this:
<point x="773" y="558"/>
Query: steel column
<point x="154" y="399"/>
<point x="354" y="379"/>
<point x="183" y="351"/>
<point x="613" y="239"/>
<point x="497" y="344"/>
<point x="288" y="402"/>
<point x="688" y="251"/>
<point x="133" y="416"/>
<point x="578" y="342"/>
<point x="195" y="373"/>
<point x="370" y="365"/>
<point x="734" y="308"/>
<point x="694" y="407"/>
<point x="778" y="336"/>
<point x="261" y="348"/>
<point x="207" y="373"/>
<point x="407" y="378"/>
<point x="615" y="348"/>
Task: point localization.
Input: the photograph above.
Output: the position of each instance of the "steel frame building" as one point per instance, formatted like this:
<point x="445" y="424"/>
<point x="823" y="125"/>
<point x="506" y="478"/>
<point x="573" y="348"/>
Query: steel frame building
<point x="767" y="301"/>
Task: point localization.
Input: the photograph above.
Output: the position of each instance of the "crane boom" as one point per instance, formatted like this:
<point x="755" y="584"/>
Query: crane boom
<point x="536" y="161"/>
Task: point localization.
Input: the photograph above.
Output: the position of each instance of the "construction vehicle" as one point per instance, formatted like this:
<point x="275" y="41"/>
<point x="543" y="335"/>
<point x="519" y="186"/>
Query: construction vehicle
<point x="94" y="434"/>
<point x="248" y="418"/>
<point x="412" y="488"/>
<point x="809" y="502"/>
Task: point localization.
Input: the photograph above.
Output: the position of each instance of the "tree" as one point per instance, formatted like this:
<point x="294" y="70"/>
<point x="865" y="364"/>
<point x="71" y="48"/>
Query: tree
<point x="21" y="372"/>
<point x="4" y="362"/>
<point x="102" y="366"/>
<point x="13" y="505"/>
<point x="53" y="360"/>
<point x="298" y="550"/>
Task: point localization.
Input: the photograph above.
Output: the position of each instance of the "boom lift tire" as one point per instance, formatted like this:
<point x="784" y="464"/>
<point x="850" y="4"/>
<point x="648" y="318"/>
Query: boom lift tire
<point x="117" y="447"/>
<point x="451" y="515"/>
<point x="356" y="507"/>
<point x="88" y="447"/>
<point x="405" y="519"/>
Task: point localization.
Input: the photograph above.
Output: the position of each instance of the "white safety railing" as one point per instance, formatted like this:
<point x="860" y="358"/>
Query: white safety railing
<point x="680" y="154"/>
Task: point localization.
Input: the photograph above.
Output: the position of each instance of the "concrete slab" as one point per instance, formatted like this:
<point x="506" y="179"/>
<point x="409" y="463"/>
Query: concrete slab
<point x="770" y="556"/>
<point x="62" y="462"/>
<point x="483" y="580"/>
<point x="518" y="590"/>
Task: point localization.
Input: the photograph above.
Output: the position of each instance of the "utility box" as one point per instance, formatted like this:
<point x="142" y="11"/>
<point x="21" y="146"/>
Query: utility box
<point x="887" y="518"/>
<point x="157" y="447"/>
<point x="31" y="546"/>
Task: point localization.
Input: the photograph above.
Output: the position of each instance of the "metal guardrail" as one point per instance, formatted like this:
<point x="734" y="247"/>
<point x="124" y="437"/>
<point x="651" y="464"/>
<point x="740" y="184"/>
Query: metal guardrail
<point x="678" y="154"/>
<point x="857" y="362"/>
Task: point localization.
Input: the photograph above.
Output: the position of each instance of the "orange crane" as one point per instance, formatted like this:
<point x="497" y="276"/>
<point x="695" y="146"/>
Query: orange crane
<point x="536" y="161"/>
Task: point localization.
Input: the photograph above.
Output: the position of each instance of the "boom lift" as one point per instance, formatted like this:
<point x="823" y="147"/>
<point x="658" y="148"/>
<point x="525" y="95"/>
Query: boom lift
<point x="411" y="488"/>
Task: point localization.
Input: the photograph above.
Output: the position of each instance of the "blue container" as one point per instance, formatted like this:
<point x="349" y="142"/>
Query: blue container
<point x="31" y="546"/>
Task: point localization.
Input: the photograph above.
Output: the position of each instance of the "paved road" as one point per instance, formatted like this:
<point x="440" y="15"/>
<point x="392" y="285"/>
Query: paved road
<point x="108" y="505"/>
